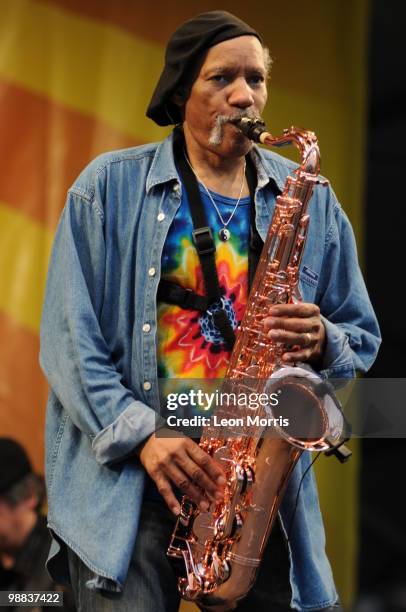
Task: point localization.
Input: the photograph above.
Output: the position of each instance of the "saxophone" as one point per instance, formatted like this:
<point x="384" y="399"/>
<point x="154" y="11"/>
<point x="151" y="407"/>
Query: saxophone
<point x="216" y="553"/>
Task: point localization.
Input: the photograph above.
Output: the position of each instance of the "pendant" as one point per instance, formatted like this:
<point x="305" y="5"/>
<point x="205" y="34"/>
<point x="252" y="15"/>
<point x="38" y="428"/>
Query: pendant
<point x="224" y="234"/>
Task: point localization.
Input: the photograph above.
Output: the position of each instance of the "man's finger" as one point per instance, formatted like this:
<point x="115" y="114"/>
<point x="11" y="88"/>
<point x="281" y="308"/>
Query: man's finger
<point x="300" y="325"/>
<point x="303" y="355"/>
<point x="199" y="476"/>
<point x="303" y="309"/>
<point x="209" y="465"/>
<point x="165" y="489"/>
<point x="304" y="339"/>
<point x="187" y="486"/>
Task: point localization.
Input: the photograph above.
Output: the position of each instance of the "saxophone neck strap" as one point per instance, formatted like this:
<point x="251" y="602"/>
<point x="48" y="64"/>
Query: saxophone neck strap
<point x="206" y="249"/>
<point x="202" y="235"/>
<point x="172" y="293"/>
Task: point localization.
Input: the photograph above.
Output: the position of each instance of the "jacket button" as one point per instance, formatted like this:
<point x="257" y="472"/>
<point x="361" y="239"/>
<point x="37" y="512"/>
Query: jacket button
<point x="161" y="217"/>
<point x="176" y="188"/>
<point x="147" y="385"/>
<point x="151" y="272"/>
<point x="146" y="327"/>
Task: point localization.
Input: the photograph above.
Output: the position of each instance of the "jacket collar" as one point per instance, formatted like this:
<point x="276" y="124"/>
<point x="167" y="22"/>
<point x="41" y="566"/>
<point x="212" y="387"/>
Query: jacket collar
<point x="163" y="168"/>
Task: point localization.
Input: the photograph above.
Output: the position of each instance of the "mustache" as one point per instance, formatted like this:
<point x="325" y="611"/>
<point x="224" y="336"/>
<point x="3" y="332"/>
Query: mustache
<point x="216" y="134"/>
<point x="244" y="114"/>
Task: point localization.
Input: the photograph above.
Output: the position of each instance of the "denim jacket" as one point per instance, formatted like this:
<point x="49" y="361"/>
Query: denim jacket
<point x="100" y="357"/>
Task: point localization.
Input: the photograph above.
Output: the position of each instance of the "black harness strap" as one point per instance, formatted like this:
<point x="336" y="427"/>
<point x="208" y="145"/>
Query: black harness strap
<point x="202" y="234"/>
<point x="206" y="249"/>
<point x="204" y="243"/>
<point x="171" y="293"/>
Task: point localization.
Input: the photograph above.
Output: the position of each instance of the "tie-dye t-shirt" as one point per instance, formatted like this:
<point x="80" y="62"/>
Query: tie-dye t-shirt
<point x="188" y="344"/>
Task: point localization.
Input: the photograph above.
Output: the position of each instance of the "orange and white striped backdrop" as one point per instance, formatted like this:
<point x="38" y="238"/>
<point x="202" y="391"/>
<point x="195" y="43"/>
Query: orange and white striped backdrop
<point x="75" y="79"/>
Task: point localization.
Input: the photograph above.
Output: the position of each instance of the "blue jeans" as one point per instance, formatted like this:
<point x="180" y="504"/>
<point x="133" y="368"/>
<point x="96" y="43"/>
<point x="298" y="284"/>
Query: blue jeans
<point x="151" y="584"/>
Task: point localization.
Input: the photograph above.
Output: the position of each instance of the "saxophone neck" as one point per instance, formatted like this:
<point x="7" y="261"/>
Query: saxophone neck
<point x="304" y="140"/>
<point x="306" y="143"/>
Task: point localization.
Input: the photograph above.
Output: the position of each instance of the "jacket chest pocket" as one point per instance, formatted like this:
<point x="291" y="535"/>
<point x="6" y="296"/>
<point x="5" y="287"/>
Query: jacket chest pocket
<point x="308" y="283"/>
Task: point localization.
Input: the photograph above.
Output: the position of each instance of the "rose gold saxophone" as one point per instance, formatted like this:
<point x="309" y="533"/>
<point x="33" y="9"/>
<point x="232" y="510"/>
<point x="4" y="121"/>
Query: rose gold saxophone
<point x="217" y="553"/>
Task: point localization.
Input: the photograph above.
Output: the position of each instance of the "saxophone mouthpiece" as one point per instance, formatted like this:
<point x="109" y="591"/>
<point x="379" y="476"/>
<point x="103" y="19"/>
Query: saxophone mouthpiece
<point x="252" y="128"/>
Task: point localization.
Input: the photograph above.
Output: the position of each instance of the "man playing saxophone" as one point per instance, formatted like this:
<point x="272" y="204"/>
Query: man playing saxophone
<point x="128" y="300"/>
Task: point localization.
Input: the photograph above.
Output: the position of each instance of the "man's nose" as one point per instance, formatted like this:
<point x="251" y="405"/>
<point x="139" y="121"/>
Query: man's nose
<point x="241" y="94"/>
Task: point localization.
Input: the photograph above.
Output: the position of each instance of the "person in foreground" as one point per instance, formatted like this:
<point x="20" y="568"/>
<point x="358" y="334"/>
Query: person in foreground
<point x="111" y="325"/>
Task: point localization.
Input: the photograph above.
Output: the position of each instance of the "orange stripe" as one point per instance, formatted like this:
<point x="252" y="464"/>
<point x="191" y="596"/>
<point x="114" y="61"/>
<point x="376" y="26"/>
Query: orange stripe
<point x="140" y="18"/>
<point x="287" y="36"/>
<point x="23" y="389"/>
<point x="43" y="147"/>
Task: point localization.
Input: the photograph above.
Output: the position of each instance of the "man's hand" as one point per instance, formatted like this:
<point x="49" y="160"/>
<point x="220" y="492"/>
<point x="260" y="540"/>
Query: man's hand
<point x="300" y="328"/>
<point x="182" y="462"/>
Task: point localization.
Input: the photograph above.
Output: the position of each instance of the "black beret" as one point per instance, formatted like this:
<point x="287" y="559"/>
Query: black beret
<point x="184" y="48"/>
<point x="14" y="463"/>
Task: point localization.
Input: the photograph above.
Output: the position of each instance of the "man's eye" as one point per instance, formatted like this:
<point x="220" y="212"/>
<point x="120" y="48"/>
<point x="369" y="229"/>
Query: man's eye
<point x="256" y="79"/>
<point x="219" y="78"/>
